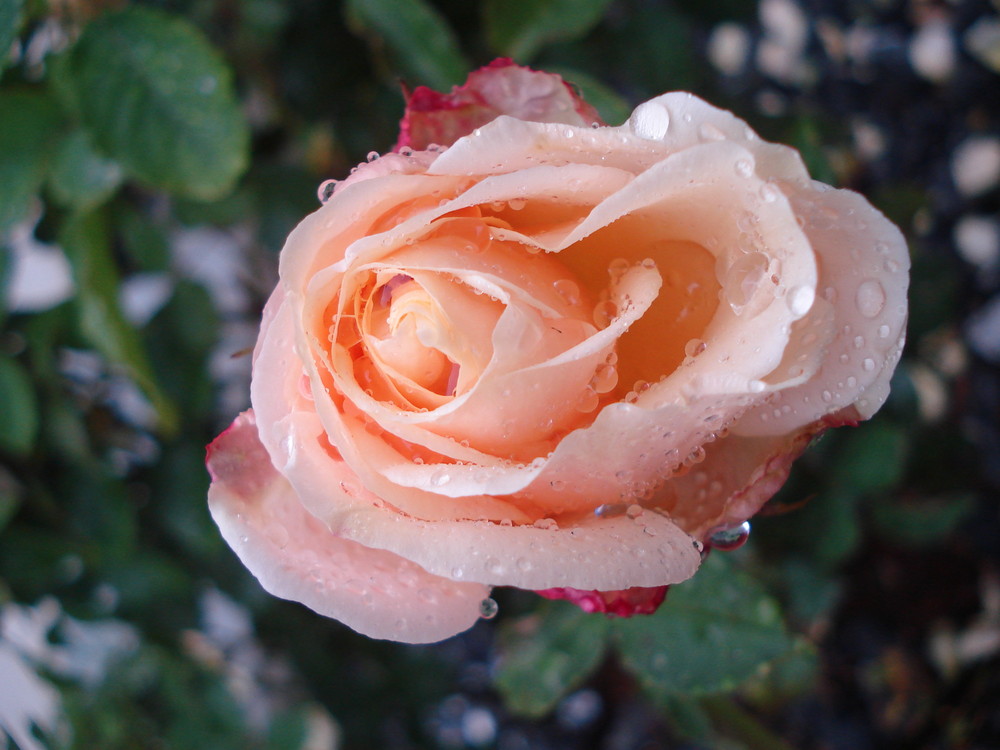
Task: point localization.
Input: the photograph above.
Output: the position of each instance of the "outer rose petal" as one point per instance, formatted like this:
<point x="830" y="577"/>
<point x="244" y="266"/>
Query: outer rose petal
<point x="500" y="88"/>
<point x="633" y="601"/>
<point x="296" y="557"/>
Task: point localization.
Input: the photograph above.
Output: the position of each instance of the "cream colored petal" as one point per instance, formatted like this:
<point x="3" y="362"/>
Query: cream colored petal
<point x="295" y="556"/>
<point x="863" y="263"/>
<point x="680" y="120"/>
<point x="592" y="553"/>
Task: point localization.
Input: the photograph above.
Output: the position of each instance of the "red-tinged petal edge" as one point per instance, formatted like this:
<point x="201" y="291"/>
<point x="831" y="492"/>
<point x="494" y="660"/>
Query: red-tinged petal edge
<point x="625" y="603"/>
<point x="432" y="117"/>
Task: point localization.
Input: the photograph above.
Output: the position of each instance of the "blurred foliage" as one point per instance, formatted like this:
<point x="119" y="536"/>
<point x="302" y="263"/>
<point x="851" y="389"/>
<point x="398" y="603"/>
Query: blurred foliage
<point x="130" y="129"/>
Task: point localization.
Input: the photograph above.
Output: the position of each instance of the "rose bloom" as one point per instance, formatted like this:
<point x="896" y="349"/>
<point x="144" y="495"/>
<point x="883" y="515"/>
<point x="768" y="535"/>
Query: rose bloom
<point x="547" y="354"/>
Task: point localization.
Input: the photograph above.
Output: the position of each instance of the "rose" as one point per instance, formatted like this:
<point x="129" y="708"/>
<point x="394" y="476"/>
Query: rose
<point x="550" y="356"/>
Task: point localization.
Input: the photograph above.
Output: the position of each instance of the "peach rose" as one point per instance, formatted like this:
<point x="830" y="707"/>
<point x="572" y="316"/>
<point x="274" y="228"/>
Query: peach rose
<point x="550" y="356"/>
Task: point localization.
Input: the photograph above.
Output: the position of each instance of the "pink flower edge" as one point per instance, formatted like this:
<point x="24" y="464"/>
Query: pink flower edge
<point x="296" y="557"/>
<point x="500" y="88"/>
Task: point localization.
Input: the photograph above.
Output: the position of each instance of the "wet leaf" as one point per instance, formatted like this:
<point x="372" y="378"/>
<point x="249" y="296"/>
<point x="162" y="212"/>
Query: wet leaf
<point x="85" y="240"/>
<point x="156" y="97"/>
<point x="81" y="177"/>
<point x="418" y="37"/>
<point x="521" y="28"/>
<point x="712" y="633"/>
<point x="18" y="408"/>
<point x="29" y="123"/>
<point x="543" y="656"/>
<point x="10" y="20"/>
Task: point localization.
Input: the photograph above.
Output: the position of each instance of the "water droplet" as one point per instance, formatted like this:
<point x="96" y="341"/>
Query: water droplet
<point x="488" y="609"/>
<point x="769" y="193"/>
<point x="605" y="379"/>
<point x="650" y="121"/>
<point x="870" y="298"/>
<point x="547" y="524"/>
<point x="756" y="386"/>
<point x="696" y="456"/>
<point x="604" y="313"/>
<point x="440" y="478"/>
<point x="709" y="132"/>
<point x="729" y="537"/>
<point x="800" y="299"/>
<point x="372" y="156"/>
<point x="326" y="190"/>
<point x="693" y="348"/>
<point x="827" y="396"/>
<point x="523" y="564"/>
<point x="744" y="167"/>
<point x="883" y="331"/>
<point x="868" y="364"/>
<point x="494" y="566"/>
<point x="516" y="204"/>
<point x="743" y="279"/>
<point x="617" y="268"/>
<point x="558" y="485"/>
<point x="588" y="401"/>
<point x="457" y="573"/>
<point x="859" y="341"/>
<point x="634" y="510"/>
<point x="569" y="290"/>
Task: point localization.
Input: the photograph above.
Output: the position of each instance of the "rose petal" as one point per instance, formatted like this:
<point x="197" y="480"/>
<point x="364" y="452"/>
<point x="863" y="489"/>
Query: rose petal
<point x="863" y="264"/>
<point x="632" y="601"/>
<point x="500" y="88"/>
<point x="296" y="557"/>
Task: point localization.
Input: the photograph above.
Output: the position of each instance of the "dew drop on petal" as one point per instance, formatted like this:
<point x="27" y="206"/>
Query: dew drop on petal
<point x="488" y="608"/>
<point x="605" y="379"/>
<point x="326" y="190"/>
<point x="800" y="299"/>
<point x="516" y="204"/>
<point x="729" y="537"/>
<point x="372" y="156"/>
<point x="742" y="280"/>
<point x="709" y="132"/>
<point x="569" y="290"/>
<point x="883" y="331"/>
<point x="604" y="313"/>
<point x="694" y="347"/>
<point x="870" y="298"/>
<point x="650" y="120"/>
<point x="744" y="167"/>
<point x="588" y="401"/>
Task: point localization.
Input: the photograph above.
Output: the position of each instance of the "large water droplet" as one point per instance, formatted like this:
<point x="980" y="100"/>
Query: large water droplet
<point x="326" y="189"/>
<point x="729" y="537"/>
<point x="650" y="121"/>
<point x="605" y="379"/>
<point x="800" y="299"/>
<point x="870" y="298"/>
<point x="488" y="608"/>
<point x="708" y="132"/>
<point x="743" y="279"/>
<point x="694" y="347"/>
<point x="569" y="290"/>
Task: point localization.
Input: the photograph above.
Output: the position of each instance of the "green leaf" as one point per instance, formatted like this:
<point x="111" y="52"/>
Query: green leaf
<point x="156" y="97"/>
<point x="81" y="177"/>
<point x="29" y="123"/>
<point x="85" y="240"/>
<point x="520" y="28"/>
<point x="18" y="408"/>
<point x="923" y="522"/>
<point x="712" y="633"/>
<point x="547" y="654"/>
<point x="613" y="109"/>
<point x="10" y="21"/>
<point x="873" y="458"/>
<point x="421" y="41"/>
